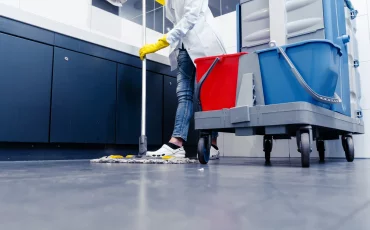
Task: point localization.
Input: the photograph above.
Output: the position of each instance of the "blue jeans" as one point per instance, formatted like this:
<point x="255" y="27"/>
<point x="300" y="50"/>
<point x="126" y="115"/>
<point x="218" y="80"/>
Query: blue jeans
<point x="185" y="92"/>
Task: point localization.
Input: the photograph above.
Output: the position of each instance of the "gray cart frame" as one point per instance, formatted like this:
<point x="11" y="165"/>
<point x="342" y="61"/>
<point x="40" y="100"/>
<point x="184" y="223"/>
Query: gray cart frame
<point x="303" y="120"/>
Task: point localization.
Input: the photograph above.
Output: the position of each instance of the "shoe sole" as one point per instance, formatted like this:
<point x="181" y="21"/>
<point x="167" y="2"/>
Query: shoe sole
<point x="159" y="156"/>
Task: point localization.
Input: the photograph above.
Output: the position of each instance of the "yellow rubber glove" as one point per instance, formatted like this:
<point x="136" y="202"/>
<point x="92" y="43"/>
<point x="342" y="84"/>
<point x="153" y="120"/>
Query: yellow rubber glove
<point x="162" y="2"/>
<point x="152" y="48"/>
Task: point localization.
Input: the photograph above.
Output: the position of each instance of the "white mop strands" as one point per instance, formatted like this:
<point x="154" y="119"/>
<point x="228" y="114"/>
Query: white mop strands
<point x="144" y="160"/>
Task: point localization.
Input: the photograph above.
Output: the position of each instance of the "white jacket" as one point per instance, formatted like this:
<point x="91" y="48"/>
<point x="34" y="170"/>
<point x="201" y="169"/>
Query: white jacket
<point x="194" y="27"/>
<point x="118" y="3"/>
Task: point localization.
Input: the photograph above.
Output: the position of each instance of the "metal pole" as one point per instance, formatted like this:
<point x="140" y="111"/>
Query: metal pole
<point x="143" y="138"/>
<point x="164" y="21"/>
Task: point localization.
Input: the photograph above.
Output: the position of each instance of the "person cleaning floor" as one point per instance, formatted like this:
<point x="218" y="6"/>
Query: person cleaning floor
<point x="193" y="36"/>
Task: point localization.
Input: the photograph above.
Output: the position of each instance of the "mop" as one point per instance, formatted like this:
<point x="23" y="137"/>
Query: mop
<point x="141" y="158"/>
<point x="144" y="160"/>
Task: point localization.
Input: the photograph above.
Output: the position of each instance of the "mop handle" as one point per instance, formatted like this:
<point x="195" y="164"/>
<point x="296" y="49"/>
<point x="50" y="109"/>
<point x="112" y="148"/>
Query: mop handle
<point x="143" y="92"/>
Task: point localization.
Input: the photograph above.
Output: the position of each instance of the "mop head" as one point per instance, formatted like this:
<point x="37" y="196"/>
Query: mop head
<point x="144" y="160"/>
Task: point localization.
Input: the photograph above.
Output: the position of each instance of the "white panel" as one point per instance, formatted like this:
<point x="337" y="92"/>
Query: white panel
<point x="226" y="26"/>
<point x="252" y="147"/>
<point x="304" y="17"/>
<point x="110" y="25"/>
<point x="363" y="38"/>
<point x="14" y="3"/>
<point x="127" y="31"/>
<point x="278" y="21"/>
<point x="131" y="33"/>
<point x="128" y="35"/>
<point x="105" y="23"/>
<point x="360" y="6"/>
<point x="352" y="48"/>
<point x="364" y="70"/>
<point x="71" y="12"/>
<point x="362" y="143"/>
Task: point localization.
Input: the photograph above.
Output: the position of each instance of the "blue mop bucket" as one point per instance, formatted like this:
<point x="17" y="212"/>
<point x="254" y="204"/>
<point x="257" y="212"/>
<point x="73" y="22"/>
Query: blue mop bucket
<point x="301" y="72"/>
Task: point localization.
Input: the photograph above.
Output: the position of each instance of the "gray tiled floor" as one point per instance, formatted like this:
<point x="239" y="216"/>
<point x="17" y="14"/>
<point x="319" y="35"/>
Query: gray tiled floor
<point x="231" y="194"/>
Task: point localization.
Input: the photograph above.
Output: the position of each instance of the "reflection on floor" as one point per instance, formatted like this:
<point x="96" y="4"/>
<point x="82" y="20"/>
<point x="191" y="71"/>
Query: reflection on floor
<point x="233" y="193"/>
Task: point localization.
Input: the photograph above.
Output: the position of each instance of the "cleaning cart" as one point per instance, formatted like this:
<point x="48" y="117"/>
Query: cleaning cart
<point x="291" y="78"/>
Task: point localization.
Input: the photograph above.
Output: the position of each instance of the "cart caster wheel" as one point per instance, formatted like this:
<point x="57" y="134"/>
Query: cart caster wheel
<point x="305" y="149"/>
<point x="349" y="148"/>
<point x="267" y="147"/>
<point x="320" y="144"/>
<point x="204" y="147"/>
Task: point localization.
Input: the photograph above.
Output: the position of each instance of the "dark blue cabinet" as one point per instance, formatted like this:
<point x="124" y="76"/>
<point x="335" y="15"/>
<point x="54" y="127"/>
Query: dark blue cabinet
<point x="169" y="108"/>
<point x="25" y="82"/>
<point x="129" y="106"/>
<point x="83" y="99"/>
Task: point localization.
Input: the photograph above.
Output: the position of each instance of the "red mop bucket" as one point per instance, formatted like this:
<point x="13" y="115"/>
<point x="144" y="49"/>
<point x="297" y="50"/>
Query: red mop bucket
<point x="217" y="79"/>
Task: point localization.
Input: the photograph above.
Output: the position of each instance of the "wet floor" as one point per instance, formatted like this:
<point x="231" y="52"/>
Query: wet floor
<point x="233" y="193"/>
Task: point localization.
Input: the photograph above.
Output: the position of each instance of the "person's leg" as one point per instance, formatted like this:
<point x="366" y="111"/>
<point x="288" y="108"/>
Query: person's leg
<point x="184" y="112"/>
<point x="214" y="138"/>
<point x="184" y="91"/>
<point x="215" y="153"/>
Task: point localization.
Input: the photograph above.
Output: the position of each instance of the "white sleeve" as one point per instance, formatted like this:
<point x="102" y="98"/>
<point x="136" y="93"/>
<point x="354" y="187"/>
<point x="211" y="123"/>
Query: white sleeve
<point x="117" y="3"/>
<point x="192" y="11"/>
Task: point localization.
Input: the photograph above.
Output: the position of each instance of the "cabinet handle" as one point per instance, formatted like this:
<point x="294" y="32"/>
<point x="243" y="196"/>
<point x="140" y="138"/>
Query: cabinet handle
<point x="66" y="58"/>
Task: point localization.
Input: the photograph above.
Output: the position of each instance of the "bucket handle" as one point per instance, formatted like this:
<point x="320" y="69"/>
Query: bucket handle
<point x="199" y="85"/>
<point x="324" y="99"/>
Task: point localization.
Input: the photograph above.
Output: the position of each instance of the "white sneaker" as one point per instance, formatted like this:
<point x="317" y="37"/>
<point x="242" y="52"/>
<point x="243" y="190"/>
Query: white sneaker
<point x="166" y="150"/>
<point x="214" y="154"/>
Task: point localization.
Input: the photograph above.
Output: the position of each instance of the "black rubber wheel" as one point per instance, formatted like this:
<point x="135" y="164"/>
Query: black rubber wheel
<point x="267" y="147"/>
<point x="305" y="149"/>
<point x="349" y="148"/>
<point x="320" y="144"/>
<point x="204" y="147"/>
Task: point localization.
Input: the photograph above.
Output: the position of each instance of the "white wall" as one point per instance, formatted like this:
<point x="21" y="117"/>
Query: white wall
<point x="252" y="146"/>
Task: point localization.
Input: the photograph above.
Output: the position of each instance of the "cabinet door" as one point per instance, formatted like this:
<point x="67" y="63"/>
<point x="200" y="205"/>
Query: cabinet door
<point x="129" y="106"/>
<point x="83" y="99"/>
<point x="170" y="107"/>
<point x="25" y="83"/>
